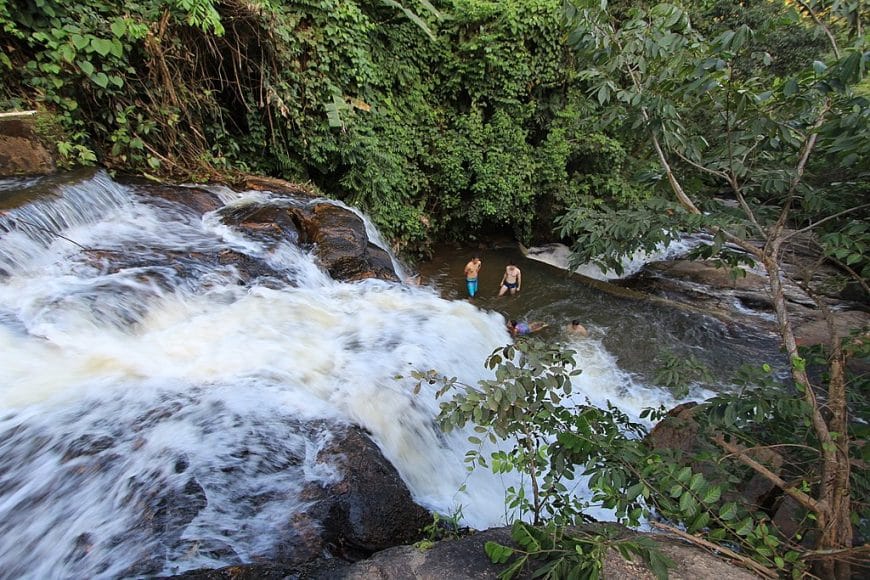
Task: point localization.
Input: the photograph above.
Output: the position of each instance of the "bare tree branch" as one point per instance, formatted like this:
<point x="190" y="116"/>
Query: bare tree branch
<point x="821" y="25"/>
<point x="825" y="219"/>
<point x="799" y="496"/>
<point x="717" y="548"/>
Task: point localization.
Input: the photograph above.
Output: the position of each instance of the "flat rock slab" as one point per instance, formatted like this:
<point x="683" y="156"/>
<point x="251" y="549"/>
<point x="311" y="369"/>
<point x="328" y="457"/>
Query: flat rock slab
<point x="465" y="559"/>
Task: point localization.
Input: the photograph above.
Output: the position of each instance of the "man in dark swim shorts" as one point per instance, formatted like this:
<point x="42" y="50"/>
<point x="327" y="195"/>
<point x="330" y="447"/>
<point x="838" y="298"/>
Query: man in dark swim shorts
<point x="511" y="281"/>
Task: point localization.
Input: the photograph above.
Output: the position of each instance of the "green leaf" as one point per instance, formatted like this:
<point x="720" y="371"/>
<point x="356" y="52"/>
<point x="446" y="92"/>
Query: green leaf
<point x="100" y="79"/>
<point x="700" y="522"/>
<point x="684" y="475"/>
<point x="522" y="535"/>
<point x="67" y="53"/>
<point x="79" y="41"/>
<point x="86" y="67"/>
<point x="411" y="16"/>
<point x="497" y="553"/>
<point x="688" y="505"/>
<point x="713" y="494"/>
<point x="603" y="94"/>
<point x="632" y="492"/>
<point x="745" y="526"/>
<point x="119" y="27"/>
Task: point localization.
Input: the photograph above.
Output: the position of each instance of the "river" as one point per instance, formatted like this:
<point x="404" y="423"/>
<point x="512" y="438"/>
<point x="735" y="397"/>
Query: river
<point x="120" y="385"/>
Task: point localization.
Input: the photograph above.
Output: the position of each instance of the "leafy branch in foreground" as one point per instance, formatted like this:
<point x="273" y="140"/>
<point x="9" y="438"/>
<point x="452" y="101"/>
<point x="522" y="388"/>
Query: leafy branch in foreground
<point x="561" y="447"/>
<point x="530" y="404"/>
<point x="578" y="554"/>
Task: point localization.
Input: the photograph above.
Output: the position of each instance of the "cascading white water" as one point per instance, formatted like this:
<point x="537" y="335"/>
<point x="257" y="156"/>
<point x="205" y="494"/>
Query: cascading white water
<point x="124" y="385"/>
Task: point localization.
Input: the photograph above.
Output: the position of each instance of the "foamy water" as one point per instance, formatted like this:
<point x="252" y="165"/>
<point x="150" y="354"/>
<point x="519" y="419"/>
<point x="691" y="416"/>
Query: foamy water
<point x="122" y="388"/>
<point x="558" y="255"/>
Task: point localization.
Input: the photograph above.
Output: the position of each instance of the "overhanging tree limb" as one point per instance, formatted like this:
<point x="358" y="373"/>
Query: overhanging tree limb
<point x="823" y="220"/>
<point x="799" y="496"/>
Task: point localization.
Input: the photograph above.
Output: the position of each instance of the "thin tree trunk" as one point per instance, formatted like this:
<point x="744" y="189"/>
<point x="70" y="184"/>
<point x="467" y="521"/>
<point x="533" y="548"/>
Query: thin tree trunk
<point x="833" y="496"/>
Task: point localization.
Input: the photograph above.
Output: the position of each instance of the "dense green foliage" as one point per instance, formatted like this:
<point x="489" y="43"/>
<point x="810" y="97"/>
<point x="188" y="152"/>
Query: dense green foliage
<point x="724" y="98"/>
<point x="443" y="119"/>
<point x="765" y="158"/>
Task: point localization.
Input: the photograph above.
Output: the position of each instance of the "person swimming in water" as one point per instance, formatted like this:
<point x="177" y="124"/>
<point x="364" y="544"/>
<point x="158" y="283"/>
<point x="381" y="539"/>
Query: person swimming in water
<point x="576" y="328"/>
<point x="525" y="328"/>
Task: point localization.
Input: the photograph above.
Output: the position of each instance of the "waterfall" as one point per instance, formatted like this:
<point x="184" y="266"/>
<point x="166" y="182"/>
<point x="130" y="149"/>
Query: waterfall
<point x="123" y="383"/>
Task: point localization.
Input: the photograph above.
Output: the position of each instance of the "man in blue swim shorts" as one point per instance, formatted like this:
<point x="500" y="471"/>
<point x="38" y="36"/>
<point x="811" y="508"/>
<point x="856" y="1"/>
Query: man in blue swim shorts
<point x="472" y="269"/>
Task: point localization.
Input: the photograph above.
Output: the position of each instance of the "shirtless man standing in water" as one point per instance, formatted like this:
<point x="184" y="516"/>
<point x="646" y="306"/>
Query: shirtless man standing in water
<point x="512" y="280"/>
<point x="471" y="271"/>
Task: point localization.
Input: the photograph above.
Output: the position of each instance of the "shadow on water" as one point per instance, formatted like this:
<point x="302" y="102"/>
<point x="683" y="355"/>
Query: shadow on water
<point x="635" y="330"/>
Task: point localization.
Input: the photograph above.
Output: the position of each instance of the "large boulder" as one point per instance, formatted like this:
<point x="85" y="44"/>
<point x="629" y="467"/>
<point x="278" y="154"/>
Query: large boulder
<point x="366" y="508"/>
<point x="343" y="247"/>
<point x="370" y="508"/>
<point x="336" y="234"/>
<point x="465" y="559"/>
<point x="21" y="150"/>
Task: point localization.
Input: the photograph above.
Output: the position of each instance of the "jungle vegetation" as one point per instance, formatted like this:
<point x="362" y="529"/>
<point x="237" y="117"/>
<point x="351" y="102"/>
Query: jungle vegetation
<point x="611" y="126"/>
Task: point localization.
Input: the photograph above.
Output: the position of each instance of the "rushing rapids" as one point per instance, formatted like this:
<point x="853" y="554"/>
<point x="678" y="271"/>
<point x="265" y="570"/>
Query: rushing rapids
<point x="126" y="386"/>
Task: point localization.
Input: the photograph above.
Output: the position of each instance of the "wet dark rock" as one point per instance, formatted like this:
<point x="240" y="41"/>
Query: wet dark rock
<point x="342" y="245"/>
<point x="704" y="287"/>
<point x="789" y="517"/>
<point x="337" y="236"/>
<point x="272" y="224"/>
<point x="172" y="511"/>
<point x="370" y="508"/>
<point x="198" y="199"/>
<point x="678" y="431"/>
<point x="87" y="445"/>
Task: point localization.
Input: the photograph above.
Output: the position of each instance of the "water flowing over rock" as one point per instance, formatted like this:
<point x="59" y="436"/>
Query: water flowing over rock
<point x="703" y="286"/>
<point x="366" y="509"/>
<point x="370" y="508"/>
<point x="180" y="374"/>
<point x="336" y="234"/>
